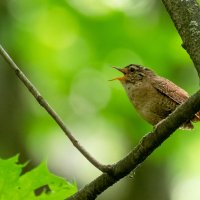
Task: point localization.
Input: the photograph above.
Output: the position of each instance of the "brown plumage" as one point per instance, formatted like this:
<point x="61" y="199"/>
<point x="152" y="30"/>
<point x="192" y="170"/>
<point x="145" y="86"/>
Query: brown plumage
<point x="153" y="96"/>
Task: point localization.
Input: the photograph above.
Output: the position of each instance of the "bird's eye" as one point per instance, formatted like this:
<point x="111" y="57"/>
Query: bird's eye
<point x="132" y="69"/>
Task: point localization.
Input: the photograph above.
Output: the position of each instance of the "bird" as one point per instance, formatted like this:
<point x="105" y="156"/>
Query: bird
<point x="154" y="97"/>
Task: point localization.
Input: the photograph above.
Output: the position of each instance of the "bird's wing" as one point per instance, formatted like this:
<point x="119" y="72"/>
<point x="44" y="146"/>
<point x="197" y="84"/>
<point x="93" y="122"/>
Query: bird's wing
<point x="170" y="89"/>
<point x="174" y="92"/>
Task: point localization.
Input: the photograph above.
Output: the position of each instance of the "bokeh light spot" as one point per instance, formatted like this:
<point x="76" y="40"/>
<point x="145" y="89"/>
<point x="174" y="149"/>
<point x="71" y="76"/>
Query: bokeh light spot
<point x="90" y="92"/>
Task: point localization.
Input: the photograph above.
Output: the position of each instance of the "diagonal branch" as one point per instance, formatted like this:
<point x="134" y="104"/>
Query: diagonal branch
<point x="49" y="109"/>
<point x="145" y="147"/>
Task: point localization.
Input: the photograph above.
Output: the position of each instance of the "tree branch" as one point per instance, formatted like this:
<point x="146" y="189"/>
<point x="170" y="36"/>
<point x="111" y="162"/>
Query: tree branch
<point x="145" y="147"/>
<point x="49" y="109"/>
<point x="186" y="17"/>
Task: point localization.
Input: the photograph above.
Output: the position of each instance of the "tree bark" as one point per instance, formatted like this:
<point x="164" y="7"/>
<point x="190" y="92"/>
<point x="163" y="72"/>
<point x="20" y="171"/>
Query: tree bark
<point x="186" y="17"/>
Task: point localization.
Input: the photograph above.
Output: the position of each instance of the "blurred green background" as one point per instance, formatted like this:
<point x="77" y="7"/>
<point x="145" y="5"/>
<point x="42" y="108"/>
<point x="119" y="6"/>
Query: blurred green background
<point x="67" y="48"/>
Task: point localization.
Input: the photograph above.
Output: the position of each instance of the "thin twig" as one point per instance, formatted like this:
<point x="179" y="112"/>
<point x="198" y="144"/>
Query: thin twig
<point x="54" y="115"/>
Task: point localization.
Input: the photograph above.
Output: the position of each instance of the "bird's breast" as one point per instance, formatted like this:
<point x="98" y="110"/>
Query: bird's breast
<point x="149" y="102"/>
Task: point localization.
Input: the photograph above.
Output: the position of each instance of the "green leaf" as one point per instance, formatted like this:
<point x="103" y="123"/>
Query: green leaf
<point x="14" y="186"/>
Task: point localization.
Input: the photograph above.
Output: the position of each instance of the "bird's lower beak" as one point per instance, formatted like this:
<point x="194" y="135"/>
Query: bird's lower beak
<point x="123" y="70"/>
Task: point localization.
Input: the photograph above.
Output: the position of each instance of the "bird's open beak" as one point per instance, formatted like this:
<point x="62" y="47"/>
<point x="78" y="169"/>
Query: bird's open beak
<point x="123" y="70"/>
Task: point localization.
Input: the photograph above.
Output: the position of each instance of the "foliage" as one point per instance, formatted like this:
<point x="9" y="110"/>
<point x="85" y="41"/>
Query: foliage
<point x="13" y="185"/>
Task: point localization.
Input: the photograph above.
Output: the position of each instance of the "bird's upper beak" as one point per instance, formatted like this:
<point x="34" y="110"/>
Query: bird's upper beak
<point x="123" y="70"/>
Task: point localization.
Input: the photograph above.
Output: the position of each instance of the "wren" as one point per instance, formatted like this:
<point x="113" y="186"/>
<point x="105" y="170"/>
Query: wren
<point x="153" y="96"/>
